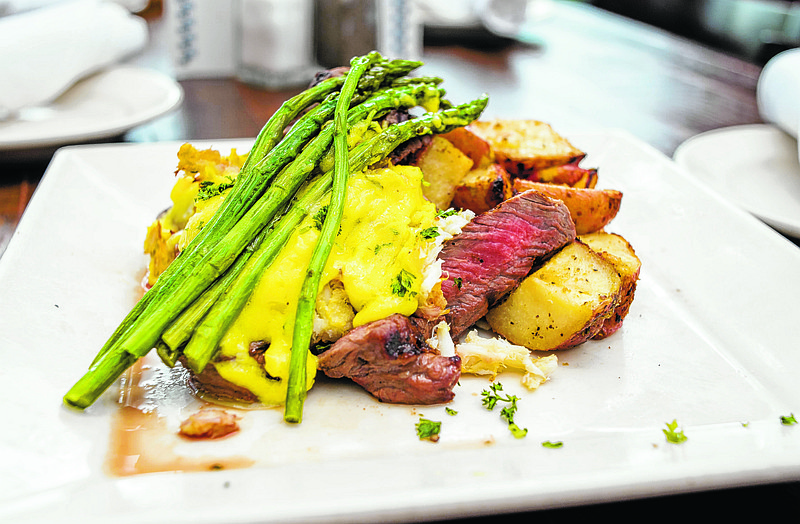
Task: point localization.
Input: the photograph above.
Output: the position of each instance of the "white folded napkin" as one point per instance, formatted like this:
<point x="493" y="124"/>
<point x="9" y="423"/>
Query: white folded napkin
<point x="10" y="7"/>
<point x="45" y="51"/>
<point x="778" y="92"/>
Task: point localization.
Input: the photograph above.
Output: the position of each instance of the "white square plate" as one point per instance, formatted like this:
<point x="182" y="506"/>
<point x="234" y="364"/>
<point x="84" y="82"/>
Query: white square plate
<point x="711" y="341"/>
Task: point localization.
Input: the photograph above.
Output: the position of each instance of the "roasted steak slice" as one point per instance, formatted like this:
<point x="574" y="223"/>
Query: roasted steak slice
<point x="496" y="251"/>
<point x="209" y="381"/>
<point x="390" y="359"/>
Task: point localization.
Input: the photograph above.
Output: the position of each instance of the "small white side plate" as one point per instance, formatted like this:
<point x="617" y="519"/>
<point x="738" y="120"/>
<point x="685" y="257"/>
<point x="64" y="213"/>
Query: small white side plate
<point x="103" y="105"/>
<point x="755" y="166"/>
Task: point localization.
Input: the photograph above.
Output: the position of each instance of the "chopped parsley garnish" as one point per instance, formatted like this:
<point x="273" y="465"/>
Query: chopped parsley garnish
<point x="490" y="399"/>
<point x="517" y="431"/>
<point x="458" y="281"/>
<point x="450" y="411"/>
<point x="381" y="246"/>
<point x="673" y="434"/>
<point x="552" y="445"/>
<point x="788" y="421"/>
<point x="209" y="189"/>
<point x="447" y="213"/>
<point x="429" y="233"/>
<point x="428" y="429"/>
<point x="401" y="285"/>
<point x="319" y="217"/>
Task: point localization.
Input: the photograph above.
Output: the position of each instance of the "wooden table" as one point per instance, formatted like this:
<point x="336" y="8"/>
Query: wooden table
<point x="579" y="69"/>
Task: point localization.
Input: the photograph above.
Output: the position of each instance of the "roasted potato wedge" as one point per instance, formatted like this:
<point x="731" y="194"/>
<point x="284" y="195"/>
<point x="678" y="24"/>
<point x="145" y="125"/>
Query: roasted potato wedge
<point x="525" y="146"/>
<point x="476" y="148"/>
<point x="443" y="166"/>
<point x="562" y="304"/>
<point x="483" y="188"/>
<point x="621" y="254"/>
<point x="591" y="209"/>
<point x="569" y="174"/>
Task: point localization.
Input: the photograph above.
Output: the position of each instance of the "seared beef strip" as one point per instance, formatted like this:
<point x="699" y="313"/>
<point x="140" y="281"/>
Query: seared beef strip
<point x="390" y="359"/>
<point x="325" y="74"/>
<point x="496" y="251"/>
<point x="212" y="383"/>
<point x="409" y="151"/>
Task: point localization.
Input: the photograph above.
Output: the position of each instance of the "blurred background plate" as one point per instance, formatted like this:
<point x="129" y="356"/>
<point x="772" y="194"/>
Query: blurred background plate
<point x="103" y="105"/>
<point x="755" y="166"/>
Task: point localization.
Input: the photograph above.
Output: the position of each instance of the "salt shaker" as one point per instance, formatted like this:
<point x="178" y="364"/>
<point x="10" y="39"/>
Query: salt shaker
<point x="274" y="42"/>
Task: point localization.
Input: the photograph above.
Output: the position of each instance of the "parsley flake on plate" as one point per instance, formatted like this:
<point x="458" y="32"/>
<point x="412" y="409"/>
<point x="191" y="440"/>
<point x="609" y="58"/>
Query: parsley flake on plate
<point x="428" y="429"/>
<point x="673" y="434"/>
<point x="490" y="399"/>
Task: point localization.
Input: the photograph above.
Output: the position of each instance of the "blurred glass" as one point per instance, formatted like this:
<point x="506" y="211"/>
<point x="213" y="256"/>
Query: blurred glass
<point x="347" y="28"/>
<point x="274" y="40"/>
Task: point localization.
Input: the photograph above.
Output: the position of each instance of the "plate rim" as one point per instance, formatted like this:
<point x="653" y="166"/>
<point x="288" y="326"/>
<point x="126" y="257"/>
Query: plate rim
<point x="789" y="226"/>
<point x="669" y="480"/>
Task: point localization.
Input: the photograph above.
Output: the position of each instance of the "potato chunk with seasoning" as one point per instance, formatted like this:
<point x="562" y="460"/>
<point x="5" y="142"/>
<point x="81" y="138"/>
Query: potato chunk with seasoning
<point x="443" y="166"/>
<point x="524" y="146"/>
<point x="620" y="253"/>
<point x="562" y="304"/>
<point x="483" y="188"/>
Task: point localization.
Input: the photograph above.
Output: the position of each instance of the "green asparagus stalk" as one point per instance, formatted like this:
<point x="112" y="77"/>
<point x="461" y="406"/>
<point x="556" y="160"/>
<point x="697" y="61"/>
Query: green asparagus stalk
<point x="205" y="340"/>
<point x="373" y="151"/>
<point x="241" y="197"/>
<point x="256" y="172"/>
<point x="180" y="291"/>
<point x="304" y="318"/>
<point x="363" y="155"/>
<point x="207" y="334"/>
<point x="167" y="355"/>
<point x="266" y="140"/>
<point x="180" y="331"/>
<point x="200" y="263"/>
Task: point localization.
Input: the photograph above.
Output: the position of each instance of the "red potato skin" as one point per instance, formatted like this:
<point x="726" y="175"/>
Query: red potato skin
<point x="590" y="209"/>
<point x="483" y="188"/>
<point x="475" y="147"/>
<point x="621" y="254"/>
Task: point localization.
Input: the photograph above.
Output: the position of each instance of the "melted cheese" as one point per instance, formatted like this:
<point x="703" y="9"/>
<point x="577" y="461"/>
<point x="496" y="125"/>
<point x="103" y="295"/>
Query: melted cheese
<point x="378" y="257"/>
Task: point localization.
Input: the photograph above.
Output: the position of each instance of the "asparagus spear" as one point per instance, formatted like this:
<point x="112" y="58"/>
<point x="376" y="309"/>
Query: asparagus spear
<point x="179" y="332"/>
<point x="205" y="340"/>
<point x="179" y="291"/>
<point x="254" y="175"/>
<point x="373" y="151"/>
<point x="266" y="140"/>
<point x="362" y="156"/>
<point x="304" y="318"/>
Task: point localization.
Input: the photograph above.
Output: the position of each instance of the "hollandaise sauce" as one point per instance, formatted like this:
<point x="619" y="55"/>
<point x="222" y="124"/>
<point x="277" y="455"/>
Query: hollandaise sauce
<point x="376" y="265"/>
